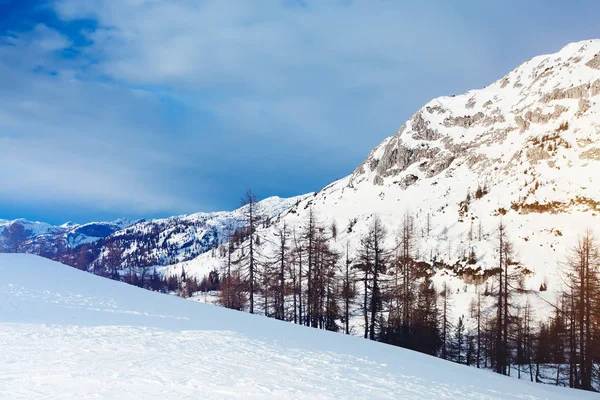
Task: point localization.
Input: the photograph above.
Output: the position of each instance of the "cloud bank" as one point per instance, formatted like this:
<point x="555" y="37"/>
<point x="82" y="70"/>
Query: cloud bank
<point x="156" y="107"/>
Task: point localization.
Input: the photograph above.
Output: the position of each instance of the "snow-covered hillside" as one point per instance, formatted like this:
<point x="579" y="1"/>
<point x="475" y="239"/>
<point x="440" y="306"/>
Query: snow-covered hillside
<point x="525" y="150"/>
<point x="167" y="241"/>
<point x="42" y="238"/>
<point x="142" y="243"/>
<point x="69" y="334"/>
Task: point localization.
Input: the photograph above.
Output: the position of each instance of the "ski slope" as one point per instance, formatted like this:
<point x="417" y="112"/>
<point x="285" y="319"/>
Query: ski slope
<point x="65" y="333"/>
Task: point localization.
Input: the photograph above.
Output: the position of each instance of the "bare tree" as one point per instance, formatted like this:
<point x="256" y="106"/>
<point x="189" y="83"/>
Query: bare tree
<point x="445" y="323"/>
<point x="309" y="236"/>
<point x="348" y="292"/>
<point x="282" y="252"/>
<point x="374" y="260"/>
<point x="500" y="316"/>
<point x="298" y="252"/>
<point x="406" y="263"/>
<point x="112" y="260"/>
<point x="251" y="214"/>
<point x="583" y="283"/>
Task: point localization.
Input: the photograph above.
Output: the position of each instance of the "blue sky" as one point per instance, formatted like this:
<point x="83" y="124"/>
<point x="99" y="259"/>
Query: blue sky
<point x="143" y="108"/>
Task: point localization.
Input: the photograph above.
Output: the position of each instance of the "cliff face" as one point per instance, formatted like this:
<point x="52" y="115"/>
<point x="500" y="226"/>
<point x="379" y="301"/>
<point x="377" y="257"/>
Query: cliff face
<point x="542" y="116"/>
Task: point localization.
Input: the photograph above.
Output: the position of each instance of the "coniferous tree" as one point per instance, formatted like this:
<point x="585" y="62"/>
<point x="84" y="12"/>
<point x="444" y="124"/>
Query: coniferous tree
<point x="445" y="325"/>
<point x="309" y="237"/>
<point x="229" y="286"/>
<point x="583" y="289"/>
<point x="424" y="331"/>
<point x="374" y="259"/>
<point x="325" y="291"/>
<point x="348" y="292"/>
<point x="112" y="260"/>
<point x="406" y="262"/>
<point x="280" y="281"/>
<point x="476" y="313"/>
<point x="459" y="341"/>
<point x="251" y="214"/>
<point x="403" y="289"/>
<point x="363" y="266"/>
<point x="298" y="256"/>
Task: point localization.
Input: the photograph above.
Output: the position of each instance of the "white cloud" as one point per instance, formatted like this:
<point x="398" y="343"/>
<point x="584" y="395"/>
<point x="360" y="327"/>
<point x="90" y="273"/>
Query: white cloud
<point x="249" y="83"/>
<point x="67" y="141"/>
<point x="40" y="171"/>
<point x="170" y="99"/>
<point x="268" y="44"/>
<point x="32" y="48"/>
<point x="319" y="71"/>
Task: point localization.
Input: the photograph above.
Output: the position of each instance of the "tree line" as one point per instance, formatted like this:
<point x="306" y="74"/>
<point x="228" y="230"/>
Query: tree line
<point x="305" y="280"/>
<point x="384" y="293"/>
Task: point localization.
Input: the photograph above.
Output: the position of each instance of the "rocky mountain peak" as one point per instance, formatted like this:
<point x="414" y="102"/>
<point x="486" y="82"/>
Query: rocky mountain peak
<point x="543" y="112"/>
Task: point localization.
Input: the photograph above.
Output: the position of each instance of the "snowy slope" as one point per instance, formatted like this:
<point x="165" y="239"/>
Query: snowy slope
<point x="531" y="139"/>
<point x="69" y="334"/>
<point x="93" y="231"/>
<point x="167" y="241"/>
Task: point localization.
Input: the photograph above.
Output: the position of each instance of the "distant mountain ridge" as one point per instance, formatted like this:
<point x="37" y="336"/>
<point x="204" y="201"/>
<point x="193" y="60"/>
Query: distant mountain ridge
<point x="23" y="236"/>
<point x="153" y="242"/>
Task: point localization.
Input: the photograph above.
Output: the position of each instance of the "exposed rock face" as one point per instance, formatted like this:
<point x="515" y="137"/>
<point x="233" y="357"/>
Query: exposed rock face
<point x="578" y="92"/>
<point x="536" y="154"/>
<point x="492" y="118"/>
<point x="538" y="117"/>
<point x="591" y="154"/>
<point x="440" y="163"/>
<point x="540" y="100"/>
<point x="397" y="158"/>
<point x="583" y="106"/>
<point x="421" y="129"/>
<point x="595" y="88"/>
<point x="435" y="109"/>
<point x="594" y="62"/>
<point x="464" y="121"/>
<point x="471" y="103"/>
<point x="408" y="180"/>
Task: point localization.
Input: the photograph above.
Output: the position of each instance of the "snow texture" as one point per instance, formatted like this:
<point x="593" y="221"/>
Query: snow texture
<point x="65" y="333"/>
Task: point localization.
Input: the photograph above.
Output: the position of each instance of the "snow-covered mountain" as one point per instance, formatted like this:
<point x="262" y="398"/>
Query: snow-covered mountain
<point x="524" y="150"/>
<point x="153" y="242"/>
<point x="69" y="334"/>
<point x="26" y="236"/>
<point x="160" y="242"/>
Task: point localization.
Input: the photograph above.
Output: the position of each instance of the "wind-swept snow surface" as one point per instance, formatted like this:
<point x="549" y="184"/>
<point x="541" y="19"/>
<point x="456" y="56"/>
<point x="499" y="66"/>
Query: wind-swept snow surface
<point x="68" y="334"/>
